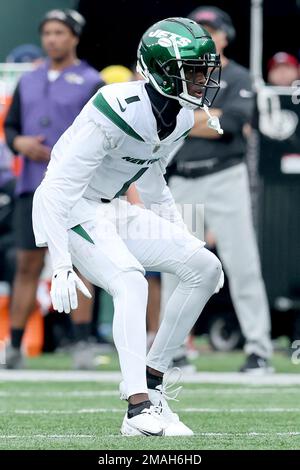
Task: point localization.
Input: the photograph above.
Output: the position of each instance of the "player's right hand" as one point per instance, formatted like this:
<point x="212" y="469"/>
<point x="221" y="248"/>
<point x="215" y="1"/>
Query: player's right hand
<point x="63" y="290"/>
<point x="32" y="147"/>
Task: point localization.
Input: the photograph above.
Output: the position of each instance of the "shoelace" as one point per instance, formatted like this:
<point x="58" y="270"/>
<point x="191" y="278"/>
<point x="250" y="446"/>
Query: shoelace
<point x="153" y="409"/>
<point x="170" y="380"/>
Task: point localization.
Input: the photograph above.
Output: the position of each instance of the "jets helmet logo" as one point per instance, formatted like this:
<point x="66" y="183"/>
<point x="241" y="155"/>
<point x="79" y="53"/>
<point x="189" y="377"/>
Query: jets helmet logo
<point x="166" y="38"/>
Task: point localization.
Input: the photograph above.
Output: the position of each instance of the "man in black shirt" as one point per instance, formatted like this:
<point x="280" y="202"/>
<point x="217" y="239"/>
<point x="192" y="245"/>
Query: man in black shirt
<point x="209" y="169"/>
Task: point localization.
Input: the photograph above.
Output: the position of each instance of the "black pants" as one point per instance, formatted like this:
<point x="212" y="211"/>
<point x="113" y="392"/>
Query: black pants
<point x="23" y="231"/>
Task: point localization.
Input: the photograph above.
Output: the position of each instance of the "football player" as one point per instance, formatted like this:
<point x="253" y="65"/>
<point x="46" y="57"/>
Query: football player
<point x="125" y="134"/>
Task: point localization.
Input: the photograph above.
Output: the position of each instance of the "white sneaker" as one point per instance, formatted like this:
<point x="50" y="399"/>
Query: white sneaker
<point x="159" y="397"/>
<point x="13" y="358"/>
<point x="146" y="423"/>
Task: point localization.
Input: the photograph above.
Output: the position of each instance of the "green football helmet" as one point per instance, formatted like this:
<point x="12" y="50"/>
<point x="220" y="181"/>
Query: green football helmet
<point x="170" y="56"/>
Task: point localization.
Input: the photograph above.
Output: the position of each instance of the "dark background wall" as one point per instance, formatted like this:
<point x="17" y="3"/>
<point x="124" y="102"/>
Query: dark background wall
<point x="114" y="27"/>
<point x="19" y="21"/>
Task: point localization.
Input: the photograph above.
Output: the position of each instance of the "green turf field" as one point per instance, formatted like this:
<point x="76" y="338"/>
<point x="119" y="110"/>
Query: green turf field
<point x="88" y="415"/>
<point x="207" y="361"/>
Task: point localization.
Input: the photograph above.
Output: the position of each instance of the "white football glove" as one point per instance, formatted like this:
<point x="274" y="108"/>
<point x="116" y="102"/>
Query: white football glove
<point x="63" y="290"/>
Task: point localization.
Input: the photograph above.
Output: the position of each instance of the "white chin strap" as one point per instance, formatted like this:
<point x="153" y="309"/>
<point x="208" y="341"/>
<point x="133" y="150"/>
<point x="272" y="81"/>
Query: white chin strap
<point x="213" y="122"/>
<point x="186" y="104"/>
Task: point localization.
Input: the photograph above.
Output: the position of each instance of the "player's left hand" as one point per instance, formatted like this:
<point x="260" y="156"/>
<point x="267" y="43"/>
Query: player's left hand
<point x="63" y="290"/>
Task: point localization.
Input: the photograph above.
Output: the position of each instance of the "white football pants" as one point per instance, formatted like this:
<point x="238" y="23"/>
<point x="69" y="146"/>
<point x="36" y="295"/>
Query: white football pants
<point x="125" y="240"/>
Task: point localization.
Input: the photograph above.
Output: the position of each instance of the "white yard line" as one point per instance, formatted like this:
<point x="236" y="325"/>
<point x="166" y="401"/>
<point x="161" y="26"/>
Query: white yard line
<point x="47" y="436"/>
<point x="58" y="376"/>
<point x="121" y="410"/>
<point x="254" y="390"/>
<point x="66" y="412"/>
<point x="248" y="434"/>
<point x="240" y="410"/>
<point x="115" y="377"/>
<point x="61" y="394"/>
<point x="26" y="437"/>
<point x="240" y="390"/>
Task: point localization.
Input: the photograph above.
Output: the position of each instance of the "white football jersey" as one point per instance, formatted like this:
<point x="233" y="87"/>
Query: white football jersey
<point x="112" y="143"/>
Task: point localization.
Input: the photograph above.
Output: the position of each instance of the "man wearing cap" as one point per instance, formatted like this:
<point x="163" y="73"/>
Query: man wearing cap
<point x="44" y="104"/>
<point x="209" y="169"/>
<point x="283" y="69"/>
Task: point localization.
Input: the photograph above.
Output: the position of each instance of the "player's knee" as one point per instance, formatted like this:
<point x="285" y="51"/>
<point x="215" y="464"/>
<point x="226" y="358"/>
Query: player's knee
<point x="131" y="283"/>
<point x="214" y="268"/>
<point x="138" y="283"/>
<point x="203" y="267"/>
<point x="29" y="266"/>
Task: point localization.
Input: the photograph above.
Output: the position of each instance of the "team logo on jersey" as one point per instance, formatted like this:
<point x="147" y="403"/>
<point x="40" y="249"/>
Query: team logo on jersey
<point x="74" y="78"/>
<point x="121" y="107"/>
<point x="246" y="93"/>
<point x="166" y="38"/>
<point x="139" y="161"/>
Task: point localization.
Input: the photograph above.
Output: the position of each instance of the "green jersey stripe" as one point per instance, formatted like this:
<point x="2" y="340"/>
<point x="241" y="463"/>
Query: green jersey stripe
<point x="128" y="183"/>
<point x="185" y="134"/>
<point x="102" y="105"/>
<point x="80" y="231"/>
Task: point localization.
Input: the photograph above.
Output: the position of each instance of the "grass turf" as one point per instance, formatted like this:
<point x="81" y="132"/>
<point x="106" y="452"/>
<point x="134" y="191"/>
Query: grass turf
<point x="207" y="361"/>
<point x="88" y="415"/>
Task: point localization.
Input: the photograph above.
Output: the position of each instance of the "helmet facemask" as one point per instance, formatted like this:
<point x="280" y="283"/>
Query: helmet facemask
<point x="194" y="77"/>
<point x="176" y="77"/>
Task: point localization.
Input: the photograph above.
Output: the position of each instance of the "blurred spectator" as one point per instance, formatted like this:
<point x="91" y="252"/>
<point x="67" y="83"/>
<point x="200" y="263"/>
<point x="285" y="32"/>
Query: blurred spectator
<point x="44" y="104"/>
<point x="25" y="53"/>
<point x="210" y="169"/>
<point x="153" y="306"/>
<point x="7" y="187"/>
<point x="283" y="69"/>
